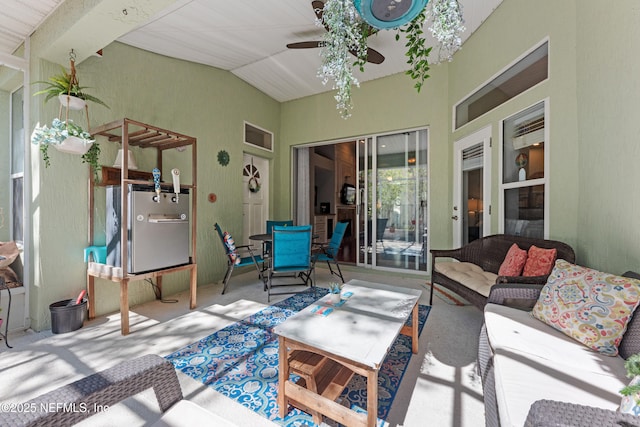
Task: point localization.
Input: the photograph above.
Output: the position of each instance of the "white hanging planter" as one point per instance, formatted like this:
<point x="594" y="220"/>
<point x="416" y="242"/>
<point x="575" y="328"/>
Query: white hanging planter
<point x="73" y="145"/>
<point x="72" y="102"/>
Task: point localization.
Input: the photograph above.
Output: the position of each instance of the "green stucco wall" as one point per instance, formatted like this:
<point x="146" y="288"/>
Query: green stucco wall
<point x="392" y="104"/>
<point x="195" y="100"/>
<point x="381" y="105"/>
<point x="608" y="87"/>
<point x="593" y="130"/>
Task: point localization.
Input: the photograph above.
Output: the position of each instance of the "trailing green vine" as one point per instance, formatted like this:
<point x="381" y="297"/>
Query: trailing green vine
<point x="91" y="157"/>
<point x="417" y="52"/>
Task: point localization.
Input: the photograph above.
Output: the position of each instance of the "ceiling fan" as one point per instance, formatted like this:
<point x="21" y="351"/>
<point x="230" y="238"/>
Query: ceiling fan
<point x="373" y="56"/>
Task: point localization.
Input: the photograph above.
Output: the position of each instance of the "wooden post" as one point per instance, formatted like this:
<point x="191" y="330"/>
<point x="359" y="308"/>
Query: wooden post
<point x="283" y="376"/>
<point x="92" y="296"/>
<point x="124" y="305"/>
<point x="193" y="286"/>
<point x="372" y="397"/>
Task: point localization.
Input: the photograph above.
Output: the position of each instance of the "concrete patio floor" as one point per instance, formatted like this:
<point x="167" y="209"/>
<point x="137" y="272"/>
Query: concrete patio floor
<point x="440" y="387"/>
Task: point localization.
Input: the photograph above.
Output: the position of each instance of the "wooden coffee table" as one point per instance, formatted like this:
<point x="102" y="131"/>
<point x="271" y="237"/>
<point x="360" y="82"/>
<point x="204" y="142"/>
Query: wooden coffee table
<point x="325" y="350"/>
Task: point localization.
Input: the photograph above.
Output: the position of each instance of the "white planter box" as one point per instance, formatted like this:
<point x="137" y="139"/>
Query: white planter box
<point x="73" y="145"/>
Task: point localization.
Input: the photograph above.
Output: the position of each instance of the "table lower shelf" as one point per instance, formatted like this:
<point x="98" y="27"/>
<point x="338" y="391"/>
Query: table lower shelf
<point x="319" y="374"/>
<point x="124" y="285"/>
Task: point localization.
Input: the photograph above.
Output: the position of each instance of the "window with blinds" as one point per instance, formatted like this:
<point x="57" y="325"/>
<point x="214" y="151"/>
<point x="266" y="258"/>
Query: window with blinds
<point x="472" y="157"/>
<point x="524" y="184"/>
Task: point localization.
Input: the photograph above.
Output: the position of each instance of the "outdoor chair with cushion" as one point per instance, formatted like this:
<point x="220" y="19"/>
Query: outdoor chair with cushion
<point x="291" y="255"/>
<point x="381" y="225"/>
<point x="476" y="266"/>
<point x="235" y="256"/>
<point x="107" y="388"/>
<point x="329" y="251"/>
<point x="266" y="249"/>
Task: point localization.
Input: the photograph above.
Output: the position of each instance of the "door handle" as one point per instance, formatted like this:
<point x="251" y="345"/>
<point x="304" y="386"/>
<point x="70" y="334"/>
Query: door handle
<point x="455" y="217"/>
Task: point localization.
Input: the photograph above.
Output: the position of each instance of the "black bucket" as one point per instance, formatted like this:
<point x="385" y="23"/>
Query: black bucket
<point x="66" y="316"/>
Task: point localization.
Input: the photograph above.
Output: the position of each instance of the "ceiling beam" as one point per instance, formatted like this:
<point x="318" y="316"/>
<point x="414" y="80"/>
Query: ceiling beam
<point x="13" y="62"/>
<point x="88" y="26"/>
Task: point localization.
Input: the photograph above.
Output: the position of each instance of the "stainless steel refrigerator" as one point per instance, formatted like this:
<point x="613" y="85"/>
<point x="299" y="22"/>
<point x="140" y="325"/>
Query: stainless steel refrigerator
<point x="158" y="231"/>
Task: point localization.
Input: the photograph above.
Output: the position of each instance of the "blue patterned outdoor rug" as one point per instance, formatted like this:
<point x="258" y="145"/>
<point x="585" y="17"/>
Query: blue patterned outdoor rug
<point x="241" y="362"/>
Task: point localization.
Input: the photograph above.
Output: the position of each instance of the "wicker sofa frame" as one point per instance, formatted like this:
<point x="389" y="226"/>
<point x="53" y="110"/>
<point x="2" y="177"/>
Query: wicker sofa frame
<point x="488" y="253"/>
<point x="550" y="412"/>
<point x="105" y="388"/>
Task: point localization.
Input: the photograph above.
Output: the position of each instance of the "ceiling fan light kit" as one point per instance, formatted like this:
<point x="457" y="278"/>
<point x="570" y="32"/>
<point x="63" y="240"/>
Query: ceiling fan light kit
<point x="387" y="14"/>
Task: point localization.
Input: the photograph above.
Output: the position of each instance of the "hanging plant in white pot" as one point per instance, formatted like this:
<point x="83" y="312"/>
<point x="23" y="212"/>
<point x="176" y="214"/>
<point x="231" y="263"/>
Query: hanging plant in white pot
<point x="67" y="137"/>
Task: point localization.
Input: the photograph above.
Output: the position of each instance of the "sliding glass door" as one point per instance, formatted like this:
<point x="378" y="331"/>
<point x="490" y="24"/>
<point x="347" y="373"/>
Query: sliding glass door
<point x="392" y="193"/>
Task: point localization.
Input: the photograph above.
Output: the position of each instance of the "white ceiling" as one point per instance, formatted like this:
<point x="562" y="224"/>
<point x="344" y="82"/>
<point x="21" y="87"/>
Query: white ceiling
<point x="245" y="37"/>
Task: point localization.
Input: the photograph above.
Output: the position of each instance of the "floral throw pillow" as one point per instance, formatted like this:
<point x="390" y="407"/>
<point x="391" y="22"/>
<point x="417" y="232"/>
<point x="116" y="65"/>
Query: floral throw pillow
<point x="231" y="246"/>
<point x="589" y="306"/>
<point x="539" y="261"/>
<point x="514" y="261"/>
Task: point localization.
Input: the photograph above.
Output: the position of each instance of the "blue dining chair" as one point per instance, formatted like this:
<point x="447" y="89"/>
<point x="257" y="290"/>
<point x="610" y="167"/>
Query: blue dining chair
<point x="235" y="256"/>
<point x="291" y="255"/>
<point x="266" y="249"/>
<point x="329" y="251"/>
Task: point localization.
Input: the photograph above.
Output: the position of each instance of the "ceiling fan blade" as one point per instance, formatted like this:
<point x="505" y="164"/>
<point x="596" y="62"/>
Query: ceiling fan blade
<point x="317" y="6"/>
<point x="374" y="56"/>
<point x="305" y="45"/>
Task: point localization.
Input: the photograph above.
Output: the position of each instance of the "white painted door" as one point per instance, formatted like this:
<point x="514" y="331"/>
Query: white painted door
<point x="471" y="210"/>
<point x="255" y="207"/>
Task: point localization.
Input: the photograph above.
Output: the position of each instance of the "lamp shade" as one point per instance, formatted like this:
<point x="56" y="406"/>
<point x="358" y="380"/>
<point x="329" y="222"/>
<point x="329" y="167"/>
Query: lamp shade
<point x="386" y="14"/>
<point x="131" y="161"/>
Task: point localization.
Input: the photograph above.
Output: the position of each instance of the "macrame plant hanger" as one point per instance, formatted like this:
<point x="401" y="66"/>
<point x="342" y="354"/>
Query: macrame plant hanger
<point x="73" y="82"/>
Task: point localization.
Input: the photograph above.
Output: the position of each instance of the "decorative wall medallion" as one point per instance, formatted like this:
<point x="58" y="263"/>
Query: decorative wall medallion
<point x="223" y="157"/>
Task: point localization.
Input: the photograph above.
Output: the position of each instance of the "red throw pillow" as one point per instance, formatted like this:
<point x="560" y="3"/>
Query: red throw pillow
<point x="539" y="261"/>
<point x="514" y="261"/>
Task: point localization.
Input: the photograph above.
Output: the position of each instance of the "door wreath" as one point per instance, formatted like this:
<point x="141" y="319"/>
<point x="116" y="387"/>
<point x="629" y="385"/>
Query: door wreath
<point x="254" y="185"/>
<point x="254" y="174"/>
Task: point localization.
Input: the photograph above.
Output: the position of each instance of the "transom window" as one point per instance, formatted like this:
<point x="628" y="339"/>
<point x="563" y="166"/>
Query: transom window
<point x="524" y="74"/>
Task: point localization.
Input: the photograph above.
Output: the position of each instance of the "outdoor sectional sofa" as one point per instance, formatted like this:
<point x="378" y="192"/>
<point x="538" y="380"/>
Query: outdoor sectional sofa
<point x="479" y="262"/>
<point x="535" y="375"/>
<point x="79" y="400"/>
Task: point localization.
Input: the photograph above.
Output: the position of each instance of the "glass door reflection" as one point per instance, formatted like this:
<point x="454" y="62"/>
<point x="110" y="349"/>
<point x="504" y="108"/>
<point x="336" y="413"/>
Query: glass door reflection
<point x="393" y="189"/>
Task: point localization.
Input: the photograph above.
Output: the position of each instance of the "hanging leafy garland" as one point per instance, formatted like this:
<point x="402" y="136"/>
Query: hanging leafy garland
<point x="347" y="32"/>
<point x="447" y="25"/>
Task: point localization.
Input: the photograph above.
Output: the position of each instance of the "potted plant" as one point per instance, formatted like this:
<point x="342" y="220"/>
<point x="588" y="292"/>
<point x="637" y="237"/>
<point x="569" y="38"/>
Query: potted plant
<point x="67" y="89"/>
<point x="334" y="292"/>
<point x="631" y="400"/>
<point x="67" y="137"/>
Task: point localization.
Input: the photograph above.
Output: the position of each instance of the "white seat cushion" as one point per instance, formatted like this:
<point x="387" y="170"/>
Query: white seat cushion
<point x="186" y="413"/>
<point x="534" y="361"/>
<point x="468" y="274"/>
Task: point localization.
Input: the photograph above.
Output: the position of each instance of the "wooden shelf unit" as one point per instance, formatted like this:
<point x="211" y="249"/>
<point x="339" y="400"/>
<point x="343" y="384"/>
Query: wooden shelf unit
<point x="133" y="133"/>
